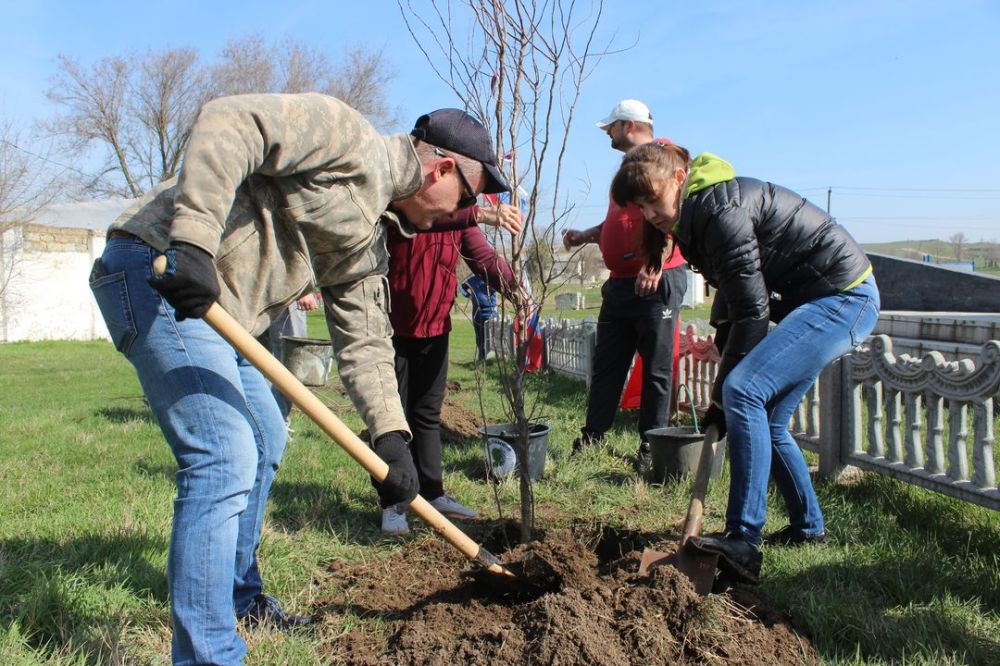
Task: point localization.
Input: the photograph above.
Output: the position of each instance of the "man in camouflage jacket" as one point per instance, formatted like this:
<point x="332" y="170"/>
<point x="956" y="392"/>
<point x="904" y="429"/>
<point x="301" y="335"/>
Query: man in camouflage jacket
<point x="276" y="193"/>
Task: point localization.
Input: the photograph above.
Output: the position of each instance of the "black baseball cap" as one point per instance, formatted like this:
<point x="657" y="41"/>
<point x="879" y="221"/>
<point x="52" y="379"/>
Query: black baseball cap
<point x="457" y="131"/>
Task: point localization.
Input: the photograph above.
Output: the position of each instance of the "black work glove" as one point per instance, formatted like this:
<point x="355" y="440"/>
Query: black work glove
<point x="714" y="416"/>
<point x="722" y="331"/>
<point x="190" y="283"/>
<point x="401" y="484"/>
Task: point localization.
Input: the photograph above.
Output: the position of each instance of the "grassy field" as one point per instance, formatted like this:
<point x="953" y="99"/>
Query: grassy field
<point x="86" y="485"/>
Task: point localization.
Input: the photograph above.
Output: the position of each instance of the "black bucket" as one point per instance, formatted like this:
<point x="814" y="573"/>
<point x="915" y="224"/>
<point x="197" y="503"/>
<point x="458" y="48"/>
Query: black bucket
<point x="675" y="452"/>
<point x="538" y="441"/>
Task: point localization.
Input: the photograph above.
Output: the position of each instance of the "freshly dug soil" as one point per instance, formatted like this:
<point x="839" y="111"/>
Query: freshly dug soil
<point x="458" y="423"/>
<point x="586" y="604"/>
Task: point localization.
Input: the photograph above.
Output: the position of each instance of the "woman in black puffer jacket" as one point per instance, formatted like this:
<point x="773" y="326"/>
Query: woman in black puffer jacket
<point x="772" y="256"/>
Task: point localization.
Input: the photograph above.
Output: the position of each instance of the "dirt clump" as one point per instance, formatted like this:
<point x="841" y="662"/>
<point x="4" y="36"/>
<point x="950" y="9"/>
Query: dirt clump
<point x="458" y="423"/>
<point x="586" y="604"/>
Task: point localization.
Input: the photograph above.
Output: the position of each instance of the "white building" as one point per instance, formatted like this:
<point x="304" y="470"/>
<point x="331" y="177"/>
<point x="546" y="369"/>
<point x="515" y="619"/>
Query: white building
<point x="44" y="269"/>
<point x="695" y="294"/>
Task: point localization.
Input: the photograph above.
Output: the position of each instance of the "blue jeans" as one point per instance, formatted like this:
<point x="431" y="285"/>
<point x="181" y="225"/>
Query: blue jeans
<point x="762" y="392"/>
<point x="224" y="427"/>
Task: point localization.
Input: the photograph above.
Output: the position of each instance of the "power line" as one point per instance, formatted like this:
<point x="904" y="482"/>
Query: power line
<point x="900" y="189"/>
<point x="917" y="189"/>
<point x="964" y="218"/>
<point x="45" y="159"/>
<point x="873" y="195"/>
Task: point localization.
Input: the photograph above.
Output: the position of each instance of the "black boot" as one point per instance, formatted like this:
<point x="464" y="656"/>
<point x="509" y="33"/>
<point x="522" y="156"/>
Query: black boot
<point x="644" y="459"/>
<point x="792" y="536"/>
<point x="585" y="439"/>
<point x="738" y="558"/>
<point x="265" y="609"/>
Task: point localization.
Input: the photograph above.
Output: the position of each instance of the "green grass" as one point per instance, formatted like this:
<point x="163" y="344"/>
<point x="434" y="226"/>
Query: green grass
<point x="86" y="485"/>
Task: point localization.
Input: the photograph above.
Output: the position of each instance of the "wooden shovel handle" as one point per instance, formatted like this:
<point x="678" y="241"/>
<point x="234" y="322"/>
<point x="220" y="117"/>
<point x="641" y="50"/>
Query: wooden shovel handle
<point x="696" y="509"/>
<point x="311" y="406"/>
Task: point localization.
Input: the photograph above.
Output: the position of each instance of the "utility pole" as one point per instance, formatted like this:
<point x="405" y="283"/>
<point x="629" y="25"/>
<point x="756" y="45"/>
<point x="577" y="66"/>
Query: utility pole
<point x="829" y="191"/>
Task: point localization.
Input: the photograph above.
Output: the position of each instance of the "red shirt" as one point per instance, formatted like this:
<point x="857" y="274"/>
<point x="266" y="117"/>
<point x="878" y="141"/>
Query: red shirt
<point x="422" y="280"/>
<point x="621" y="240"/>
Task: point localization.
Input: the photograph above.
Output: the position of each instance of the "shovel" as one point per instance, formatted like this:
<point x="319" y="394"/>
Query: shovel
<point x="699" y="568"/>
<point x="303" y="398"/>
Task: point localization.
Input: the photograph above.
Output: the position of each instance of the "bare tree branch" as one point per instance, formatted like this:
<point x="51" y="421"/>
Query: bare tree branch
<point x="165" y="100"/>
<point x="139" y="108"/>
<point x="95" y="103"/>
<point x="520" y="70"/>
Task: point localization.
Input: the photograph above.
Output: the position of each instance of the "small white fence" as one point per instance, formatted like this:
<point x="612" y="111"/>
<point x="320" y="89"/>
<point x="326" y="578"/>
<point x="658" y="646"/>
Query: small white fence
<point x="920" y="418"/>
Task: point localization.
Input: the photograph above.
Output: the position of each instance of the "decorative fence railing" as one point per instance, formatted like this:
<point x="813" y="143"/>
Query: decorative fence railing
<point x="569" y="347"/>
<point x="924" y="419"/>
<point x="908" y="417"/>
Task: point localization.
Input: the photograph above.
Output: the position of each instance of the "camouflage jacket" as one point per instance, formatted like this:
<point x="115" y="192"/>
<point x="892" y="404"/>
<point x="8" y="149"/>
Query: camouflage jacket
<point x="289" y="191"/>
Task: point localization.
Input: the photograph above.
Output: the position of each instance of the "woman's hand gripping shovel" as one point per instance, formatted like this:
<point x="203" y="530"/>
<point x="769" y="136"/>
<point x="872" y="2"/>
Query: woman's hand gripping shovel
<point x="699" y="568"/>
<point x="303" y="398"/>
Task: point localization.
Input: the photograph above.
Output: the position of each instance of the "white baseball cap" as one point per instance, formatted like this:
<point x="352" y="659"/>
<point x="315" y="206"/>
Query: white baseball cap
<point x="628" y="109"/>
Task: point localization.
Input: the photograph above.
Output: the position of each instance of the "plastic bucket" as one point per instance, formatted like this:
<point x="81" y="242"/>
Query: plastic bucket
<point x="675" y="452"/>
<point x="538" y="442"/>
<point x="308" y="359"/>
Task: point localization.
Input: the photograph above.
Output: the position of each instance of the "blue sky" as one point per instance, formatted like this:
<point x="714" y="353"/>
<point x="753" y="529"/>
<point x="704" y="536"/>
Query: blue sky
<point x="894" y="104"/>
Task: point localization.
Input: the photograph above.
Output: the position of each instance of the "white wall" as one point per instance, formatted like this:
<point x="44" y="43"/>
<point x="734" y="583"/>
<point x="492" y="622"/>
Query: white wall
<point x="49" y="297"/>
<point x="695" y="294"/>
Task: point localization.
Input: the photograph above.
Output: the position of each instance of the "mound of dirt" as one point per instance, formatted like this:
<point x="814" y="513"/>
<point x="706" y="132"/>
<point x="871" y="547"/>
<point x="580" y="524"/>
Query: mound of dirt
<point x="590" y="606"/>
<point x="458" y="423"/>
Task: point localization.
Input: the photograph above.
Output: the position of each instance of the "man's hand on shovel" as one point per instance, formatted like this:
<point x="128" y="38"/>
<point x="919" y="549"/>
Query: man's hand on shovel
<point x="190" y="282"/>
<point x="401" y="483"/>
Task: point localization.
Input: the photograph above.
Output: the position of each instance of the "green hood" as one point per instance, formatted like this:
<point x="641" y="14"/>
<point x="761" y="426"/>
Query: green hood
<point x="707" y="170"/>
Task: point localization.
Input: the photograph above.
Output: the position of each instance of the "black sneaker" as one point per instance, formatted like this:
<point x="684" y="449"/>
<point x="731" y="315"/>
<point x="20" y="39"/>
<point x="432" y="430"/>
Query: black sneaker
<point x="738" y="558"/>
<point x="265" y="609"/>
<point x="586" y="439"/>
<point x="793" y="536"/>
<point x="644" y="459"/>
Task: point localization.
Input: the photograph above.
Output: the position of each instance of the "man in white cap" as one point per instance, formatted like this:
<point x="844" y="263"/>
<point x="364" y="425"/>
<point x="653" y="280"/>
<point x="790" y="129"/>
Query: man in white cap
<point x="640" y="304"/>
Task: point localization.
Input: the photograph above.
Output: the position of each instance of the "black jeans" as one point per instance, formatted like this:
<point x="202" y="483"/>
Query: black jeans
<point x="628" y="323"/>
<point x="421" y="372"/>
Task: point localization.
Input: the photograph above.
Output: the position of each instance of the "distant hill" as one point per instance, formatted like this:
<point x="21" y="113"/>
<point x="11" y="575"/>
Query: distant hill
<point x="985" y="254"/>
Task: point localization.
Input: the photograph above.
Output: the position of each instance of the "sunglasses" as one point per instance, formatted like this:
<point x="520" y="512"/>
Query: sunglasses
<point x="470" y="198"/>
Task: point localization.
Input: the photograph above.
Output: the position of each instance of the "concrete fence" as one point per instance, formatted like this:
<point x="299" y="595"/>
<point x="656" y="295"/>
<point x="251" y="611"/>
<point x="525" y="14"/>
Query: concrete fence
<point x="918" y="409"/>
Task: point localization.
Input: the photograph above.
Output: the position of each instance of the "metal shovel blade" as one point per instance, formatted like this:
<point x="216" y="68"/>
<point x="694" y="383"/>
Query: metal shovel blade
<point x="700" y="569"/>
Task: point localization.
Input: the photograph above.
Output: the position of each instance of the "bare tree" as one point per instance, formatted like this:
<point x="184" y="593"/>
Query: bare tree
<point x="362" y="81"/>
<point x="28" y="182"/>
<point x="993" y="253"/>
<point x="591" y="262"/>
<point x="250" y="65"/>
<point x="247" y="66"/>
<point x="96" y="109"/>
<point x="166" y="95"/>
<point x="519" y="65"/>
<point x="957" y="241"/>
<point x="139" y="108"/>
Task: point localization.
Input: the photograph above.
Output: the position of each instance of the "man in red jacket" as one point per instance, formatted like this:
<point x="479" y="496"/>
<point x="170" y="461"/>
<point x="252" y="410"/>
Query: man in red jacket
<point x="639" y="311"/>
<point x="422" y="288"/>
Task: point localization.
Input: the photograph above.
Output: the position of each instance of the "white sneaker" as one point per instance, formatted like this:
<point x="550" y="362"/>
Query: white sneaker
<point x="394" y="521"/>
<point x="450" y="507"/>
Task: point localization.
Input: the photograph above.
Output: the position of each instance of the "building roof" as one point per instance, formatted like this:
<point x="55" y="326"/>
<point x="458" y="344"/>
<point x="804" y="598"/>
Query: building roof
<point x="96" y="214"/>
